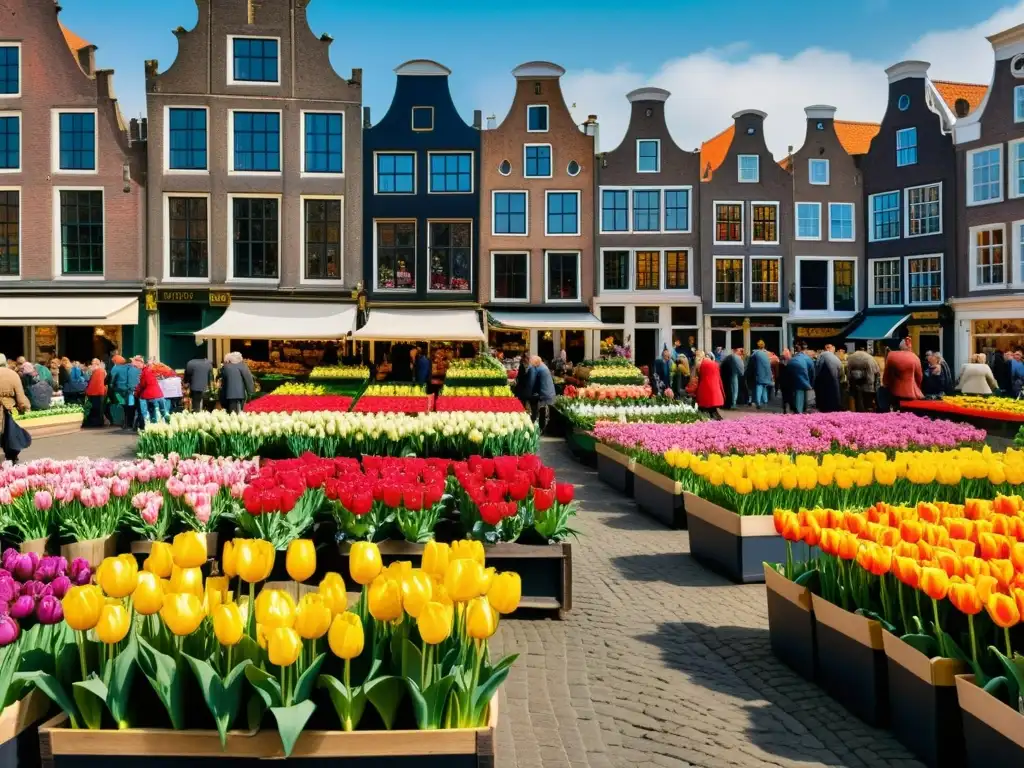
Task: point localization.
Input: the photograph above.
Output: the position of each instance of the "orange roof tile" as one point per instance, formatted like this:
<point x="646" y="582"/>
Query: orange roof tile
<point x="75" y="43"/>
<point x="950" y="92"/>
<point x="714" y="150"/>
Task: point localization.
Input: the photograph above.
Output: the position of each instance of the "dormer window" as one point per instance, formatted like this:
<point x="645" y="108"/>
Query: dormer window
<point x="648" y="156"/>
<point x="423" y="118"/>
<point x="255" y="60"/>
<point x="749" y="168"/>
<point x="906" y="147"/>
<point x="537" y="118"/>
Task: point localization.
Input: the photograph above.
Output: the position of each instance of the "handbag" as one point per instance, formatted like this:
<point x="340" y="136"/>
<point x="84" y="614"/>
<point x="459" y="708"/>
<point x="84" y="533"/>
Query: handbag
<point x="15" y="438"/>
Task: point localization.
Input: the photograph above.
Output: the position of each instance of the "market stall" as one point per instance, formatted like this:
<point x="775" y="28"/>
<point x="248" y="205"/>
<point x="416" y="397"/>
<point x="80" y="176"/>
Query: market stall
<point x="543" y="333"/>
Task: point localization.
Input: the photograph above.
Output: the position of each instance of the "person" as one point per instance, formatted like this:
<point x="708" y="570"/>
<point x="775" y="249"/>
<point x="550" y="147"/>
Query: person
<point x="903" y="375"/>
<point x="827" y="374"/>
<point x="782" y="380"/>
<point x="132" y="412"/>
<point x="801" y="378"/>
<point x="420" y="366"/>
<point x="759" y="370"/>
<point x="198" y="375"/>
<point x="682" y="375"/>
<point x="935" y="383"/>
<point x="170" y="386"/>
<point x="1001" y="369"/>
<point x="149" y="394"/>
<point x="43" y="371"/>
<point x="976" y="377"/>
<point x="236" y="382"/>
<point x="12" y="397"/>
<point x="27" y="371"/>
<point x="710" y="394"/>
<point x="863" y="375"/>
<point x="677" y="350"/>
<point x="39" y="393"/>
<point x="1016" y="364"/>
<point x="119" y="391"/>
<point x="544" y="391"/>
<point x="731" y="371"/>
<point x="74" y="387"/>
<point x="525" y="378"/>
<point x="63" y="372"/>
<point x="95" y="391"/>
<point x="663" y="371"/>
<point x="561" y="362"/>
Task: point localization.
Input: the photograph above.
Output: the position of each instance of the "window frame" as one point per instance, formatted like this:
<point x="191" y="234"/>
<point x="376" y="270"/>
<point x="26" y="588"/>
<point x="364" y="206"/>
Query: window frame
<point x="303" y="280"/>
<point x="231" y="62"/>
<point x="634" y="264"/>
<point x="168" y="170"/>
<point x="1013" y="181"/>
<point x="810" y="171"/>
<point x="657" y="156"/>
<point x="796" y="221"/>
<point x="17" y="115"/>
<point x="470" y="288"/>
<point x="167" y="238"/>
<point x="628" y="191"/>
<point x="629" y="270"/>
<point x="415" y="171"/>
<point x="1017" y="243"/>
<point x="412" y="118"/>
<point x="739" y="169"/>
<point x="688" y="290"/>
<point x="830" y="288"/>
<point x="579" y="275"/>
<point x="778" y="223"/>
<point x="307" y="174"/>
<point x="456" y="152"/>
<point x="872" y="304"/>
<point x="853" y="223"/>
<point x="579" y="212"/>
<point x="898" y="149"/>
<point x="777" y="258"/>
<point x="551" y="161"/>
<point x="972" y="247"/>
<point x="494" y="212"/>
<point x="415" y="254"/>
<point x="21" y="221"/>
<point x="508" y="252"/>
<point x="58" y="261"/>
<point x="742" y="283"/>
<point x="21" y="71"/>
<point x="942" y="278"/>
<point x="688" y="189"/>
<point x="547" y="120"/>
<point x="231" y="143"/>
<point x="871" y="215"/>
<point x="969" y="170"/>
<point x="1018" y="102"/>
<point x="659" y="216"/>
<point x="714" y="222"/>
<point x="55" y="168"/>
<point x="906" y="210"/>
<point x="231" y="196"/>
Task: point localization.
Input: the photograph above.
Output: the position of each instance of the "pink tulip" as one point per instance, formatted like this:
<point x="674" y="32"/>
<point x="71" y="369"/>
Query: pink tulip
<point x="9" y="630"/>
<point x="49" y="610"/>
<point x="43" y="500"/>
<point x="203" y="513"/>
<point x="150" y="515"/>
<point x="60" y="586"/>
<point x="23" y="607"/>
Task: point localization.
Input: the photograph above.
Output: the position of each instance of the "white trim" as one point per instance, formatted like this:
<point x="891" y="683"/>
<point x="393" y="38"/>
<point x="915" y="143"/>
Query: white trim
<point x="897" y="149"/>
<point x="231" y="249"/>
<point x="412" y="118"/>
<point x="551" y="156"/>
<point x="231" y="61"/>
<point x="55" y="141"/>
<point x="579" y="276"/>
<point x="165" y="246"/>
<point x="871" y="215"/>
<point x="972" y="250"/>
<point x="1013" y="182"/>
<point x="853" y="224"/>
<point x="58" y="261"/>
<point x="629" y="271"/>
<point x="739" y="169"/>
<point x="688" y="290"/>
<point x="662" y="209"/>
<point x="302" y="145"/>
<point x="415" y="251"/>
<point x="494" y="211"/>
<point x="632" y="208"/>
<point x="750" y="277"/>
<point x="231" y="143"/>
<point x="906" y="210"/>
<point x="579" y="168"/>
<point x="796" y="221"/>
<point x="657" y="143"/>
<point x="689" y="209"/>
<point x="871" y="282"/>
<point x="472" y="170"/>
<point x="714" y="222"/>
<point x="303" y="280"/>
<point x="579" y="212"/>
<point x="527" y="254"/>
<point x="778" y="222"/>
<point x="21" y="219"/>
<point x="472" y="256"/>
<point x="828" y="171"/>
<point x="509" y="168"/>
<point x="906" y="279"/>
<point x="1017" y="238"/>
<point x="547" y="120"/>
<point x="415" y="171"/>
<point x="168" y="171"/>
<point x="715" y="304"/>
<point x="21" y="139"/>
<point x="21" y="71"/>
<point x="1018" y="98"/>
<point x="629" y="210"/>
<point x="969" y="170"/>
<point x="830" y="311"/>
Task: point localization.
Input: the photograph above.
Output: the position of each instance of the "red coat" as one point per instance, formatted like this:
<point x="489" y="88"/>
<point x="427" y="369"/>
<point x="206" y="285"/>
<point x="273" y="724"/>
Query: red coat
<point x="97" y="386"/>
<point x="149" y="387"/>
<point x="710" y="393"/>
<point x="903" y="375"/>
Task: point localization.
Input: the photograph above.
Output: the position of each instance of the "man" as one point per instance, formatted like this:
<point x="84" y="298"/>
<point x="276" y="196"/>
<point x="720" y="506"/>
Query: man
<point x="1016" y="373"/>
<point x="800" y="372"/>
<point x="903" y="375"/>
<point x="663" y="372"/>
<point x="117" y="391"/>
<point x="420" y="366"/>
<point x="759" y="369"/>
<point x="543" y="391"/>
<point x="198" y="375"/>
<point x="236" y="382"/>
<point x="732" y="372"/>
<point x="828" y="371"/>
<point x="863" y="374"/>
<point x="131" y="381"/>
<point x="12" y="396"/>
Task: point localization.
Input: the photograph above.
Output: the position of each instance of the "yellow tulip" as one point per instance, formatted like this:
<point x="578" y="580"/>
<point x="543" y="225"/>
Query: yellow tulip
<point x="397" y="571"/>
<point x="505" y="593"/>
<point x="385" y="599"/>
<point x="228" y="624"/>
<point x="301" y="559"/>
<point x="254" y="559"/>
<point x="118" y="576"/>
<point x="312" y="617"/>
<point x="416" y="591"/>
<point x="364" y="564"/>
<point x="229" y="560"/>
<point x="261" y="636"/>
<point x="182" y="613"/>
<point x="189" y="549"/>
<point x="217" y="592"/>
<point x="435" y="558"/>
<point x="82" y="606"/>
<point x="160" y="560"/>
<point x="463" y="580"/>
<point x="332" y="590"/>
<point x="148" y="597"/>
<point x="113" y="624"/>
<point x="346" y="636"/>
<point x="996" y="474"/>
<point x="435" y="623"/>
<point x="275" y="608"/>
<point x="283" y="646"/>
<point x="481" y="619"/>
<point x="467" y="549"/>
<point x="187" y="580"/>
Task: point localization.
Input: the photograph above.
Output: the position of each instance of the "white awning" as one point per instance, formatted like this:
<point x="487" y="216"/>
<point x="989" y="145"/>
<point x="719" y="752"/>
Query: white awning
<point x="282" y="320"/>
<point x="69" y="310"/>
<point x="547" y="321"/>
<point x="421" y="325"/>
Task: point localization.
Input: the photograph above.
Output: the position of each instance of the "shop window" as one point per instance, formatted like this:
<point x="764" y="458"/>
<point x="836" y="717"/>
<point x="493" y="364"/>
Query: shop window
<point x="764" y="219"/>
<point x="677" y="270"/>
<point x="764" y="280"/>
<point x="187" y="137"/>
<point x="924" y="279"/>
<point x="728" y="222"/>
<point x="396" y="173"/>
<point x="563" y="276"/>
<point x="77" y="141"/>
<point x="188" y="237"/>
<point x="648" y="270"/>
<point x="257" y="142"/>
<point x="615" y="270"/>
<point x="511" y="280"/>
<point x="451" y="255"/>
<point x="255" y="60"/>
<point x="255" y="224"/>
<point x="396" y="255"/>
<point x="613" y="315"/>
<point x="844" y="285"/>
<point x="323" y="239"/>
<point x="887" y="290"/>
<point x="81" y="232"/>
<point x="649" y="315"/>
<point x="324" y="142"/>
<point x="728" y="280"/>
<point x="10" y="233"/>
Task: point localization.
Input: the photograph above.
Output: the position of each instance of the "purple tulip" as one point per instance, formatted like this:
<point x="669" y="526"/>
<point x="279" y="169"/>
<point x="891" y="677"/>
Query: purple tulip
<point x="10" y="558"/>
<point x="9" y="630"/>
<point x="49" y="610"/>
<point x="23" y="607"/>
<point x="60" y="565"/>
<point x="46" y="570"/>
<point x="32" y="588"/>
<point x="79" y="566"/>
<point x="60" y="586"/>
<point x="24" y="567"/>
<point x="9" y="589"/>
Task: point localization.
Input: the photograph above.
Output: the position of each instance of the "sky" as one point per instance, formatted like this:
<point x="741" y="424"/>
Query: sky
<point x="780" y="59"/>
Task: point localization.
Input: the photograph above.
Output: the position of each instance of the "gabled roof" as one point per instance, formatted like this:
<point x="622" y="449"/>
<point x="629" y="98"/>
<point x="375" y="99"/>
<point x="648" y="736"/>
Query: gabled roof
<point x="75" y="43"/>
<point x="972" y="93"/>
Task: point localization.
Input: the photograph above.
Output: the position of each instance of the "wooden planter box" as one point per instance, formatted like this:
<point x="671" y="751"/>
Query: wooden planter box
<point x="615" y="469"/>
<point x="659" y="496"/>
<point x="63" y="747"/>
<point x="852" y="666"/>
<point x="583" y="446"/>
<point x="93" y="550"/>
<point x="791" y="623"/>
<point x="545" y="569"/>
<point x="736" y="546"/>
<point x="19" y="738"/>
<point x="993" y="732"/>
<point x="53" y="426"/>
<point x="923" y="710"/>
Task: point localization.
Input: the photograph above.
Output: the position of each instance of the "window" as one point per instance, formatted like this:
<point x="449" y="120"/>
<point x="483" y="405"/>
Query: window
<point x="188" y="237"/>
<point x="573" y="168"/>
<point x="988" y="256"/>
<point x="563" y="278"/>
<point x="984" y="184"/>
<point x="505" y="168"/>
<point x="615" y="270"/>
<point x="538" y="160"/>
<point x="840" y="222"/>
<point x="818" y="171"/>
<point x="885" y="215"/>
<point x="81" y="232"/>
<point x="613" y="315"/>
<point x="677" y="210"/>
<point x="255" y="60"/>
<point x="728" y="281"/>
<point x="396" y="173"/>
<point x="10" y="70"/>
<point x="322" y="219"/>
<point x="1016" y="167"/>
<point x="728" y="223"/>
<point x="887" y="291"/>
<point x="646" y="210"/>
<point x="844" y="285"/>
<point x="764" y="221"/>
<point x="451" y="172"/>
<point x="906" y="147"/>
<point x="749" y="168"/>
<point x="764" y="280"/>
<point x="509" y="213"/>
<point x="924" y="210"/>
<point x="537" y="118"/>
<point x="648" y="315"/>
<point x="826" y="285"/>
<point x="324" y="142"/>
<point x="563" y="213"/>
<point x="255" y="224"/>
<point x="614" y="210"/>
<point x="423" y="118"/>
<point x="648" y="155"/>
<point x="924" y="279"/>
<point x="10" y="142"/>
<point x="451" y="255"/>
<point x="187" y="139"/>
<point x="10" y="231"/>
<point x="511" y="276"/>
<point x="1018" y="98"/>
<point x="1018" y="229"/>
<point x="648" y="270"/>
<point x="396" y="255"/>
<point x="257" y="142"/>
<point x="677" y="270"/>
<point x="77" y="141"/>
<point x="808" y="221"/>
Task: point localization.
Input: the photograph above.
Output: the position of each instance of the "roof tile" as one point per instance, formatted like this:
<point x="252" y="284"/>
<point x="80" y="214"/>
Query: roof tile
<point x="950" y="92"/>
<point x="75" y="43"/>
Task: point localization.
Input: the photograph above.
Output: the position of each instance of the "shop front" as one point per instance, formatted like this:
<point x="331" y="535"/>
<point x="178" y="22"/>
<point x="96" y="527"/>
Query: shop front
<point x="884" y="331"/>
<point x="646" y="328"/>
<point x="984" y="325"/>
<point x="731" y="332"/>
<point x="176" y="315"/>
<point x="543" y="333"/>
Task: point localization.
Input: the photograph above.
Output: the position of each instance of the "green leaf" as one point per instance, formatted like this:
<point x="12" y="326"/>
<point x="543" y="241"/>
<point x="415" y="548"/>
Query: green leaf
<point x="163" y="674"/>
<point x="91" y="697"/>
<point x="223" y="697"/>
<point x="266" y="685"/>
<point x="254" y="711"/>
<point x="53" y="688"/>
<point x="348" y="704"/>
<point x="998" y="685"/>
<point x="305" y="683"/>
<point x="412" y="662"/>
<point x="419" y="705"/>
<point x="435" y="697"/>
<point x="385" y="694"/>
<point x="1014" y="675"/>
<point x="926" y="644"/>
<point x="953" y="648"/>
<point x="485" y="690"/>
<point x="290" y="722"/>
<point x="119" y="686"/>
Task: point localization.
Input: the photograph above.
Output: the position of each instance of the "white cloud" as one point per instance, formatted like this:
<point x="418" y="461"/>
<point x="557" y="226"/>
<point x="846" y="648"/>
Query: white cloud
<point x="709" y="86"/>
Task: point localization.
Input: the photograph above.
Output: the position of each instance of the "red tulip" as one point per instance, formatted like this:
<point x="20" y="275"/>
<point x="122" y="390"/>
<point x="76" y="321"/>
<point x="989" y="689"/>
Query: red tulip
<point x="564" y="492"/>
<point x="413" y="499"/>
<point x="543" y="498"/>
<point x="251" y="500"/>
<point x="545" y="477"/>
<point x="361" y="503"/>
<point x="491" y="513"/>
<point x="391" y="496"/>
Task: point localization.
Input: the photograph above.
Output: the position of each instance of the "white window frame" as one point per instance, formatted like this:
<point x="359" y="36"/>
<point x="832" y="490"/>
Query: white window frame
<point x="231" y="144"/>
<point x="664" y="209"/>
<point x="494" y="212"/>
<point x="906" y="210"/>
<point x="853" y="224"/>
<point x="1012" y="179"/>
<point x="871" y="215"/>
<point x="250" y="83"/>
<point x="629" y="210"/>
<point x="830" y="287"/>
<point x="629" y="272"/>
<point x="750" y="278"/>
<point x="21" y="77"/>
<point x="415" y="173"/>
<point x="810" y="171"/>
<point x="778" y="222"/>
<point x="973" y="253"/>
<point x="55" y="143"/>
<point x="634" y="266"/>
<point x="512" y="252"/>
<point x="302" y="144"/>
<point x="1018" y="101"/>
<point x="472" y="170"/>
<point x="547" y="109"/>
<point x="303" y="280"/>
<point x="416" y="252"/>
<point x="168" y="171"/>
<point x="551" y="152"/>
<point x="412" y="118"/>
<point x="58" y="262"/>
<point x="896" y="147"/>
<point x="714" y="222"/>
<point x="166" y="245"/>
<point x="688" y="291"/>
<point x="969" y="170"/>
<point x="871" y="282"/>
<point x="739" y="169"/>
<point x="579" y="213"/>
<point x="657" y="143"/>
<point x="796" y="221"/>
<point x="230" y="239"/>
<point x="579" y="275"/>
<point x="1017" y="233"/>
<point x="743" y="282"/>
<point x="472" y="254"/>
<point x="21" y="219"/>
<point x="661" y="210"/>
<point x="21" y="142"/>
<point x="942" y="279"/>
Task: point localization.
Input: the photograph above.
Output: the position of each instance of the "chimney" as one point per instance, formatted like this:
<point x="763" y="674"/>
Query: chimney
<point x="357" y="76"/>
<point x="906" y="70"/>
<point x="133" y="129"/>
<point x="87" y="59"/>
<point x="366" y="118"/>
<point x="590" y="127"/>
<point x="478" y="118"/>
<point x="492" y="122"/>
<point x="105" y="83"/>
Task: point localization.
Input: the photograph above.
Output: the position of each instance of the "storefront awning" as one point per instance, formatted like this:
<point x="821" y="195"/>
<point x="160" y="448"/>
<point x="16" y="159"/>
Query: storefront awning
<point x="282" y="320"/>
<point x="874" y="327"/>
<point x="421" y="325"/>
<point x="545" y="321"/>
<point x="69" y="310"/>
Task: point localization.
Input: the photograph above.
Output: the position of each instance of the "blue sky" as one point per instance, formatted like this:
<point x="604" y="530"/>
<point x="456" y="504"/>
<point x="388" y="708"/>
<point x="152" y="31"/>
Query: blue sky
<point x="606" y="50"/>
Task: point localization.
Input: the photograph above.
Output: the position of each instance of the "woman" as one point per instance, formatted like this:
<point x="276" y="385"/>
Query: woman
<point x="149" y="394"/>
<point x="682" y="375"/>
<point x="39" y="393"/>
<point x="783" y="380"/>
<point x="935" y="382"/>
<point x="74" y="386"/>
<point x="976" y="377"/>
<point x="710" y="392"/>
<point x="95" y="391"/>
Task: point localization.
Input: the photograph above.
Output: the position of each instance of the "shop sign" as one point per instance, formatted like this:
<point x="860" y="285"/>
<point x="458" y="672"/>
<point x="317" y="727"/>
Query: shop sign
<point x="925" y="316"/>
<point x="815" y="332"/>
<point x="929" y="329"/>
<point x="179" y="296"/>
<point x="220" y="299"/>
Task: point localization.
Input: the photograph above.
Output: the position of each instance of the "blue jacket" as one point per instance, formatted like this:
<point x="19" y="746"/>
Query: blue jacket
<point x="543" y="385"/>
<point x="422" y="371"/>
<point x="132" y="377"/>
<point x="119" y="377"/>
<point x="1016" y="375"/>
<point x="525" y="382"/>
<point x="75" y="385"/>
<point x="801" y="372"/>
<point x="663" y="370"/>
<point x="760" y="367"/>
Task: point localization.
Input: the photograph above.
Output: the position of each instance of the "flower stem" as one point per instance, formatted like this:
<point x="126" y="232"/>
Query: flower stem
<point x="938" y="629"/>
<point x="1009" y="648"/>
<point x="347" y="720"/>
<point x="974" y="642"/>
<point x="81" y="654"/>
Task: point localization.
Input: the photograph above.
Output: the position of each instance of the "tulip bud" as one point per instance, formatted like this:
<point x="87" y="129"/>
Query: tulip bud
<point x="229" y="562"/>
<point x="505" y="593"/>
<point x="187" y="580"/>
<point x="82" y="606"/>
<point x="312" y="617"/>
<point x="118" y="576"/>
<point x="385" y="599"/>
<point x="435" y="558"/>
<point x="49" y="610"/>
<point x="227" y="624"/>
<point x="160" y="560"/>
<point x="346" y="636"/>
<point x="9" y="630"/>
<point x="332" y="590"/>
<point x="189" y="550"/>
<point x="23" y="607"/>
<point x="416" y="591"/>
<point x="283" y="646"/>
<point x="364" y="562"/>
<point x="463" y="579"/>
<point x="435" y="622"/>
<point x="182" y="613"/>
<point x="113" y="624"/>
<point x="481" y="619"/>
<point x="301" y="559"/>
<point x="60" y="586"/>
<point x="275" y="608"/>
<point x="148" y="597"/>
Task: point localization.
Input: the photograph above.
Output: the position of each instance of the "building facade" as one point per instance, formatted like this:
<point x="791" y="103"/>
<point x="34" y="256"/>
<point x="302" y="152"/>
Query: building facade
<point x="255" y="161"/>
<point x="648" y="276"/>
<point x="71" y="196"/>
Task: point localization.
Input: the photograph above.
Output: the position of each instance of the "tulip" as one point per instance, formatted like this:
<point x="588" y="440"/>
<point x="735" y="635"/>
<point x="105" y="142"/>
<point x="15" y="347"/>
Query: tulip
<point x="467" y="549"/>
<point x="82" y="607"/>
<point x="364" y="563"/>
<point x="182" y="613"/>
<point x="301" y="559"/>
<point x="283" y="646"/>
<point x="564" y="492"/>
<point x="118" y="576"/>
<point x="148" y="597"/>
<point x="934" y="582"/>
<point x="113" y="624"/>
<point x="275" y="609"/>
<point x="160" y="560"/>
<point x="965" y="598"/>
<point x="229" y="560"/>
<point x="49" y="610"/>
<point x="60" y="586"/>
<point x="416" y="591"/>
<point x="481" y="619"/>
<point x="463" y="579"/>
<point x="228" y="625"/>
<point x="435" y="558"/>
<point x="385" y="599"/>
<point x="187" y="580"/>
<point x="189" y="549"/>
<point x="312" y="617"/>
<point x="346" y="636"/>
<point x="254" y="559"/>
<point x="332" y="590"/>
<point x="1003" y="611"/>
<point x="435" y="622"/>
<point x="505" y="592"/>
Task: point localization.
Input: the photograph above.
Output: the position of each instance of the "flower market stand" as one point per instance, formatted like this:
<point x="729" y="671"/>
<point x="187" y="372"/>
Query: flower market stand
<point x="659" y="496"/>
<point x="582" y="444"/>
<point x="993" y="732"/>
<point x="52" y="426"/>
<point x="19" y="740"/>
<point x="790" y="623"/>
<point x="615" y="469"/>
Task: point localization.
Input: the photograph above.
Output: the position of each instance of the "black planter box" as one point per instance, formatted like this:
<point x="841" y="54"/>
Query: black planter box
<point x="582" y="445"/>
<point x="659" y="497"/>
<point x="993" y="732"/>
<point x="615" y="469"/>
<point x="790" y="623"/>
<point x="19" y="731"/>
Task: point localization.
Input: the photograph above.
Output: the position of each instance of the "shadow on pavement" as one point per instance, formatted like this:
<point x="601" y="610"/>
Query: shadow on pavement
<point x="633" y="520"/>
<point x="676" y="568"/>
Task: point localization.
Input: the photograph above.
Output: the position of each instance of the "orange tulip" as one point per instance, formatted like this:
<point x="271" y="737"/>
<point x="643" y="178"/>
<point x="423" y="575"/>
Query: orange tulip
<point x="1003" y="572"/>
<point x="829" y="543"/>
<point x="925" y="549"/>
<point x="962" y="548"/>
<point x="958" y="527"/>
<point x="906" y="549"/>
<point x="974" y="566"/>
<point x="791" y="528"/>
<point x="1017" y="556"/>
<point x="985" y="585"/>
<point x="1005" y="505"/>
<point x="929" y="513"/>
<point x="936" y="535"/>
<point x="855" y="523"/>
<point x="1018" y="596"/>
<point x="965" y="598"/>
<point x="934" y="582"/>
<point x="910" y="531"/>
<point x="848" y="546"/>
<point x="974" y="508"/>
<point x="949" y="561"/>
<point x="864" y="555"/>
<point x="992" y="546"/>
<point x="1015" y="530"/>
<point x="1000" y="524"/>
<point x="889" y="537"/>
<point x="982" y="526"/>
<point x="1003" y="610"/>
<point x="871" y="532"/>
<point x="907" y="571"/>
<point x="810" y="534"/>
<point x="881" y="560"/>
